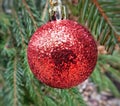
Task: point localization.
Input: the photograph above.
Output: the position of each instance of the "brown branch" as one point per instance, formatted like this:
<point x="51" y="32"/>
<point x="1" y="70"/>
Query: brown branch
<point x="14" y="81"/>
<point x="15" y="14"/>
<point x="29" y="12"/>
<point x="2" y="68"/>
<point x="44" y="11"/>
<point x="102" y="12"/>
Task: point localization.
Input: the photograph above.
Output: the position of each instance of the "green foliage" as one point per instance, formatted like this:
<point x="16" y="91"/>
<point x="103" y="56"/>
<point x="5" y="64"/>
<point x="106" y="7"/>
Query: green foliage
<point x="13" y="84"/>
<point x="19" y="87"/>
<point x="106" y="78"/>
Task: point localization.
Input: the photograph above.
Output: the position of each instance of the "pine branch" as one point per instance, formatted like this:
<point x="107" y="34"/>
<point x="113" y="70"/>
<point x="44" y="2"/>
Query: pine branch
<point x="102" y="74"/>
<point x="28" y="18"/>
<point x="25" y="4"/>
<point x="13" y="84"/>
<point x="102" y="12"/>
<point x="18" y="24"/>
<point x="77" y="97"/>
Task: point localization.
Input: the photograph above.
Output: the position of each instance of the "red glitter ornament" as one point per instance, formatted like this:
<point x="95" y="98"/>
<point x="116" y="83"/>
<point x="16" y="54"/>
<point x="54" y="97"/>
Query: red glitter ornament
<point x="62" y="53"/>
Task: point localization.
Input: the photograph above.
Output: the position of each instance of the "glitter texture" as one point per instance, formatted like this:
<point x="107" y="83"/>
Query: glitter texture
<point x="62" y="54"/>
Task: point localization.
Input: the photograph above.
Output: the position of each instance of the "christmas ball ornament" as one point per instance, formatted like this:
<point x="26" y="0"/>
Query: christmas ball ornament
<point x="62" y="53"/>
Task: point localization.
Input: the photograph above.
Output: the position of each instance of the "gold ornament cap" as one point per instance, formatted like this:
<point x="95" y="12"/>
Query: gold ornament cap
<point x="57" y="11"/>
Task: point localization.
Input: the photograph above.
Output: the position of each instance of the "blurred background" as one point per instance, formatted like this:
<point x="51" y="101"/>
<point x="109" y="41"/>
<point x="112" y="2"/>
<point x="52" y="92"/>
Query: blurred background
<point x="18" y="21"/>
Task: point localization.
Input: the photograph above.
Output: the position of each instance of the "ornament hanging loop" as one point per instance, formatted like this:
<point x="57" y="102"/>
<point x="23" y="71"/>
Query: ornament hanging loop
<point x="57" y="11"/>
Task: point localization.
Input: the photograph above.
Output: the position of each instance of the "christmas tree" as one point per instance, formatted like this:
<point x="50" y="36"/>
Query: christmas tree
<point x="19" y="19"/>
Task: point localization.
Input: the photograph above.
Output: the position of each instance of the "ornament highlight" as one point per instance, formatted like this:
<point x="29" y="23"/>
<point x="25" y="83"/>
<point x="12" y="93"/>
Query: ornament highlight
<point x="62" y="54"/>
